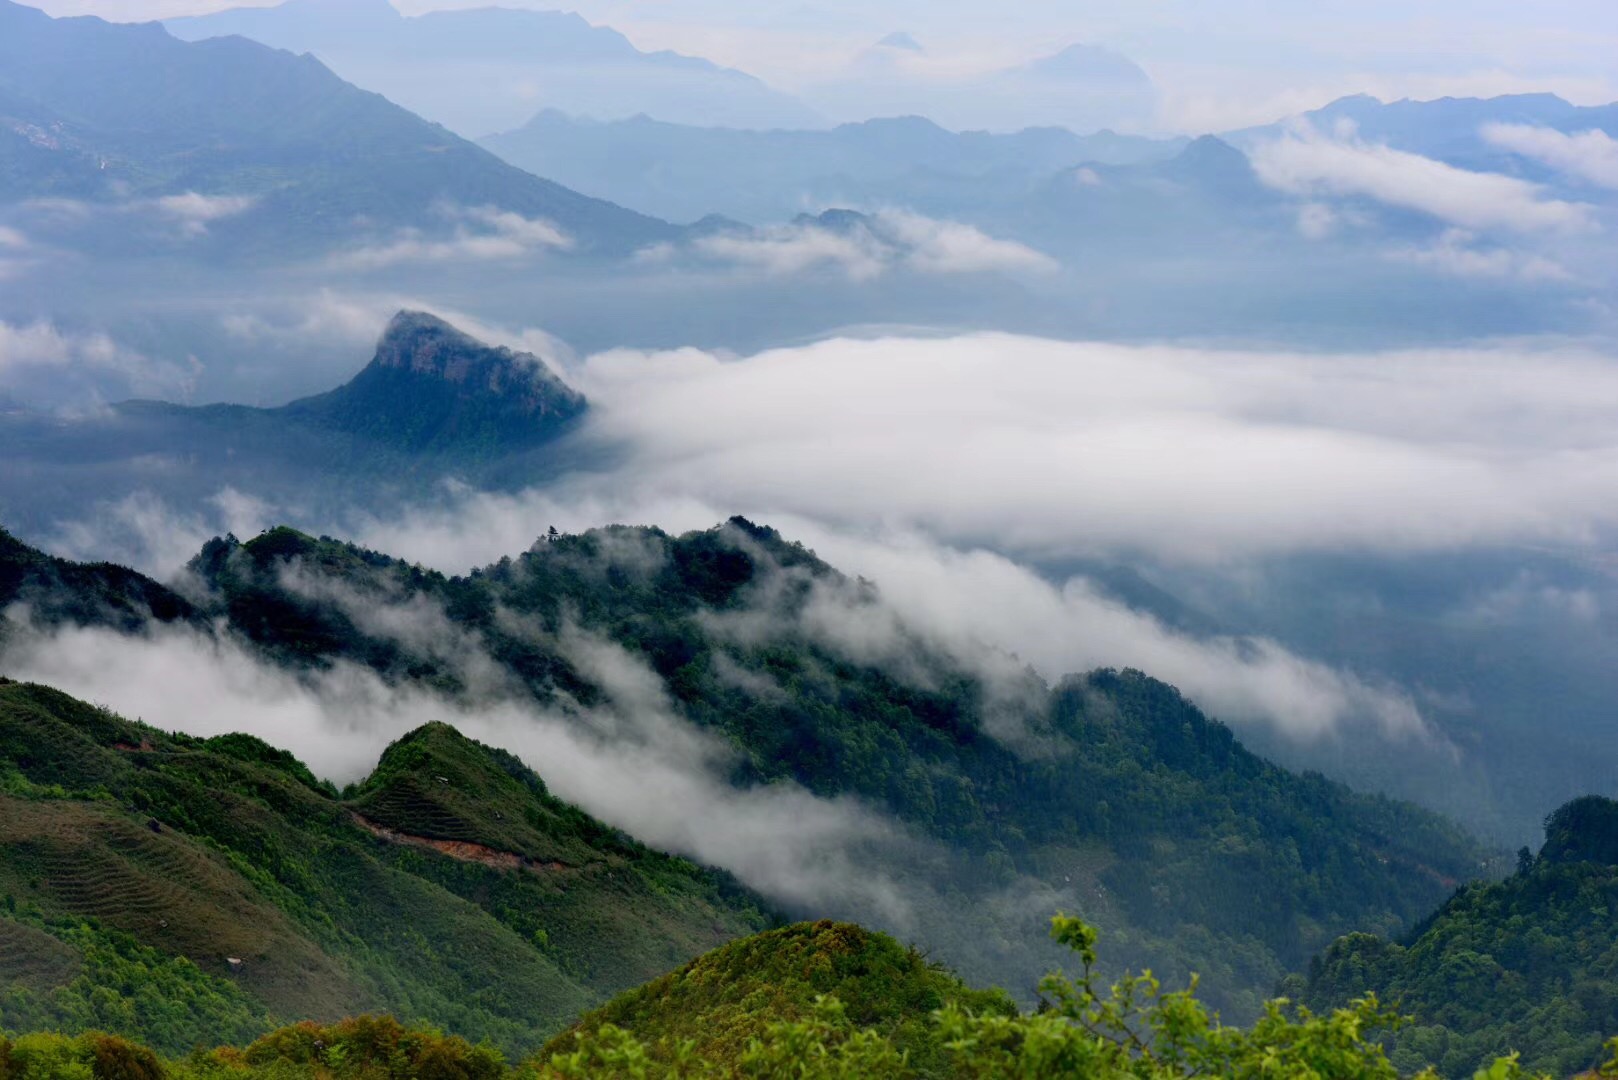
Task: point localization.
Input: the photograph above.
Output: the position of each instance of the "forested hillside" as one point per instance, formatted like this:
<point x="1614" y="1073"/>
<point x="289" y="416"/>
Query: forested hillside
<point x="1527" y="964"/>
<point x="821" y="1001"/>
<point x="1108" y="792"/>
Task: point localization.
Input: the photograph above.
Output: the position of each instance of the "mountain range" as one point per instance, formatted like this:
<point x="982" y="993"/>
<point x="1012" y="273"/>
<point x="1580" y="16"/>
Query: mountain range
<point x="230" y="148"/>
<point x="1107" y="793"/>
<point x="240" y="890"/>
<point x="686" y="172"/>
<point x="1448" y="129"/>
<point x="487" y="69"/>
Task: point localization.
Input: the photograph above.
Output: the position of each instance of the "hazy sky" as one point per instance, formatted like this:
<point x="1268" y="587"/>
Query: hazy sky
<point x="1220" y="63"/>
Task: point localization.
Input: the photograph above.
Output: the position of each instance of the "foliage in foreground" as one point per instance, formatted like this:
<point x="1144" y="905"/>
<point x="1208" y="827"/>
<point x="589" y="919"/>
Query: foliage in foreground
<point x="1133" y="1029"/>
<point x="1527" y="964"/>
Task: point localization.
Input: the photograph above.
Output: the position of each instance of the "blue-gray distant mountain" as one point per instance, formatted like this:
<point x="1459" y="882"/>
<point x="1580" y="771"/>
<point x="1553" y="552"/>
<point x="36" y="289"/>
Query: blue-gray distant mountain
<point x="1448" y="129"/>
<point x="1083" y="86"/>
<point x="682" y="173"/>
<point x="432" y="403"/>
<point x="253" y="148"/>
<point x="490" y="68"/>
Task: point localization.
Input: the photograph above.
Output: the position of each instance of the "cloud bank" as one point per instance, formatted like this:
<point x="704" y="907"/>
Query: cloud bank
<point x="1311" y="164"/>
<point x="1050" y="448"/>
<point x="1589" y="155"/>
<point x="480" y="234"/>
<point x="633" y="764"/>
<point x="865" y="247"/>
<point x="40" y="348"/>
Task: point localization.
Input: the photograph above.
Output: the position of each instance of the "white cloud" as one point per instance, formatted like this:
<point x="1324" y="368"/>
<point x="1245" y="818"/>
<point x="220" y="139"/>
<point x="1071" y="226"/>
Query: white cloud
<point x="479" y="234"/>
<point x="1588" y="155"/>
<point x="966" y="599"/>
<point x="41" y="346"/>
<point x="906" y="460"/>
<point x="195" y="212"/>
<point x="1052" y="447"/>
<point x="140" y="530"/>
<point x="1456" y="253"/>
<point x="632" y="763"/>
<point x="1305" y="162"/>
<point x="869" y="247"/>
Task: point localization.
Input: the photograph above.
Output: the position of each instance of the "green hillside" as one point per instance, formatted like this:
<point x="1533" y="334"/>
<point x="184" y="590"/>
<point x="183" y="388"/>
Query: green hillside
<point x="182" y="890"/>
<point x="1108" y="792"/>
<point x="811" y="1002"/>
<point x="1528" y="964"/>
<point x="718" y="1004"/>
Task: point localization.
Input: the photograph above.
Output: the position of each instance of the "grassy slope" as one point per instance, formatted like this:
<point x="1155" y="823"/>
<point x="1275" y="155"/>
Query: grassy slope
<point x="171" y="850"/>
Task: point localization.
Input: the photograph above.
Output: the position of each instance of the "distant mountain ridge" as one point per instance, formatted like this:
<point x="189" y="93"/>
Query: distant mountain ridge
<point x="484" y="69"/>
<point x="271" y="152"/>
<point x="1448" y="129"/>
<point x="432" y="402"/>
<point x="684" y="172"/>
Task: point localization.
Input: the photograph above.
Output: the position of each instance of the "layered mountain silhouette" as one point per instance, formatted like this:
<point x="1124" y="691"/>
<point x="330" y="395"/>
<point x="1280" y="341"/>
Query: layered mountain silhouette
<point x="683" y="172"/>
<point x="233" y="147"/>
<point x="486" y="69"/>
<point x="1448" y="129"/>
<point x="432" y="402"/>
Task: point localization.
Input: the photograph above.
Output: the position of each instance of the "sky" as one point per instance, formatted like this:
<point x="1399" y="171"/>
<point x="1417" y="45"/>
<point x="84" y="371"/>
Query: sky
<point x="1219" y="64"/>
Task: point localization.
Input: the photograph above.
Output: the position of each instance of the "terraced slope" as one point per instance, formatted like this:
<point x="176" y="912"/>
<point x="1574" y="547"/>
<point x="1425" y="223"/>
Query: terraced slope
<point x="185" y="890"/>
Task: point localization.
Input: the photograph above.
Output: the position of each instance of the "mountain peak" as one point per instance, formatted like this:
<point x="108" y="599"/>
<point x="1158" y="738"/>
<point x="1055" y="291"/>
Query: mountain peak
<point x="424" y="343"/>
<point x="1584" y="830"/>
<point x="432" y="388"/>
<point x="899" y="39"/>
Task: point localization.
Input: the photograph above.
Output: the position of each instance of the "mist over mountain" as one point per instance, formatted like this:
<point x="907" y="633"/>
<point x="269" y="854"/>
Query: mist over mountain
<point x="134" y="141"/>
<point x="432" y="404"/>
<point x="1460" y="131"/>
<point x="687" y="688"/>
<point x="1084" y="87"/>
<point x="683" y="172"/>
<point x="1186" y="443"/>
<point x="487" y="69"/>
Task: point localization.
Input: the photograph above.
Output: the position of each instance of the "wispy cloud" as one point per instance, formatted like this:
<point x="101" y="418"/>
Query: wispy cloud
<point x="866" y="246"/>
<point x="41" y="348"/>
<point x="630" y="761"/>
<point x="1458" y="254"/>
<point x="1309" y="163"/>
<point x="194" y="212"/>
<point x="479" y="234"/>
<point x="1588" y="155"/>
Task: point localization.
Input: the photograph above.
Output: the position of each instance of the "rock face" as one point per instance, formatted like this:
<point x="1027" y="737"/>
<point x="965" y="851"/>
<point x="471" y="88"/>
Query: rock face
<point x="432" y="389"/>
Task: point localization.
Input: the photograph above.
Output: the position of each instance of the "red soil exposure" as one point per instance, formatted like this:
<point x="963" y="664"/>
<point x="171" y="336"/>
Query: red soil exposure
<point x="461" y="850"/>
<point x="145" y="747"/>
